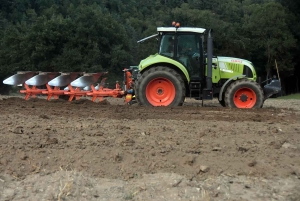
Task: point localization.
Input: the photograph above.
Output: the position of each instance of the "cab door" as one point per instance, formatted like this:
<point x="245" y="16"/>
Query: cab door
<point x="188" y="52"/>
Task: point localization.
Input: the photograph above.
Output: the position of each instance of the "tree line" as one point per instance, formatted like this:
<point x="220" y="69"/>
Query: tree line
<point x="92" y="36"/>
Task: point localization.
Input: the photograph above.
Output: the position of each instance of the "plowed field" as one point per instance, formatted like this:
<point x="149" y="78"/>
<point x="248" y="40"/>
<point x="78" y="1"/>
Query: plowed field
<point x="80" y="150"/>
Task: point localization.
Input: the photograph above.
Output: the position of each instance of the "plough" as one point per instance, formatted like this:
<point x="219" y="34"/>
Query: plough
<point x="72" y="84"/>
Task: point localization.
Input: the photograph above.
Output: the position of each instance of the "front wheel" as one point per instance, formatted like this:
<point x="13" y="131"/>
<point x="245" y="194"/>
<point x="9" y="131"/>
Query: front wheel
<point x="244" y="93"/>
<point x="160" y="86"/>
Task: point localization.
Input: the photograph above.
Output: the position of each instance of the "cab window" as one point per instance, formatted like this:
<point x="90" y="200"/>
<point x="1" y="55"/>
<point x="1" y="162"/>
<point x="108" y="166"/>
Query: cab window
<point x="167" y="45"/>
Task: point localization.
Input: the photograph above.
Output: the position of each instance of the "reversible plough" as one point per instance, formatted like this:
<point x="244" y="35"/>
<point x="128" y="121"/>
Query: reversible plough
<point x="181" y="68"/>
<point x="72" y="84"/>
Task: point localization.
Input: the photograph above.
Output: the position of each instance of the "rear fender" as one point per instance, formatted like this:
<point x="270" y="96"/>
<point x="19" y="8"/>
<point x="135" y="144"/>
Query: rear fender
<point x="161" y="60"/>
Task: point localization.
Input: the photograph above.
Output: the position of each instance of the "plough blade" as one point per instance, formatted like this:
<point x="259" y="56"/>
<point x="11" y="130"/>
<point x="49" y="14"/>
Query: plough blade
<point x="19" y="78"/>
<point x="41" y="79"/>
<point x="89" y="88"/>
<point x="74" y="86"/>
<point x="86" y="80"/>
<point x="38" y="80"/>
<point x="82" y="85"/>
<point x="63" y="80"/>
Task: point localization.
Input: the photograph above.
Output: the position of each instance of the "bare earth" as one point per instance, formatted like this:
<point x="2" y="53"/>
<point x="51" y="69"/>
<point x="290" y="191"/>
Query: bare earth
<point x="57" y="150"/>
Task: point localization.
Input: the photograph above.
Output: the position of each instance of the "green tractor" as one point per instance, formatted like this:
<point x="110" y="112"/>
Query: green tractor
<point x="182" y="68"/>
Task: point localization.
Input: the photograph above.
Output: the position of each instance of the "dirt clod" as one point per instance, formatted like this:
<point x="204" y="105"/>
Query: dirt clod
<point x="243" y="149"/>
<point x="288" y="145"/>
<point x="217" y="149"/>
<point x="43" y="116"/>
<point x="252" y="164"/>
<point x="18" y="130"/>
<point x="204" y="168"/>
<point x="52" y="141"/>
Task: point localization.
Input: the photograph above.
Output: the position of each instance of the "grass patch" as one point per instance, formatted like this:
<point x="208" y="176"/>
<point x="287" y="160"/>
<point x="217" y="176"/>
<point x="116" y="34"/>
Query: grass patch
<point x="292" y="96"/>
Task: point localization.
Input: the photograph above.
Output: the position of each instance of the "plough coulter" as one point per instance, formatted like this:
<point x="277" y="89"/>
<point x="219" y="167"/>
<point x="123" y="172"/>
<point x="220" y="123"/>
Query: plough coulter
<point x="72" y="84"/>
<point x="180" y="69"/>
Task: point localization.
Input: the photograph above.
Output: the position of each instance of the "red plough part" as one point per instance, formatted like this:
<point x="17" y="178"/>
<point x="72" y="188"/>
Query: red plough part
<point x="73" y="84"/>
<point x="76" y="93"/>
<point x="105" y="92"/>
<point x="53" y="92"/>
<point x="54" y="86"/>
<point x="37" y="80"/>
<point x="33" y="91"/>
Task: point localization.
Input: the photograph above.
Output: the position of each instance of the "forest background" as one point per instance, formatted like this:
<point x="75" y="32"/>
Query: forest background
<point x="102" y="35"/>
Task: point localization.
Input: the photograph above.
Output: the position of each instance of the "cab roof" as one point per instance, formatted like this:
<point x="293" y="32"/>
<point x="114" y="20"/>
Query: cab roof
<point x="181" y="29"/>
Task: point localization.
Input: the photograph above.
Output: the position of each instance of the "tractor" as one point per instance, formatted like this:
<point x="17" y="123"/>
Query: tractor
<point x="181" y="68"/>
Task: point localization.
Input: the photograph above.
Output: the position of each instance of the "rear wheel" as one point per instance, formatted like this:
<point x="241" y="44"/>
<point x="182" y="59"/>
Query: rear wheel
<point x="160" y="86"/>
<point x="244" y="93"/>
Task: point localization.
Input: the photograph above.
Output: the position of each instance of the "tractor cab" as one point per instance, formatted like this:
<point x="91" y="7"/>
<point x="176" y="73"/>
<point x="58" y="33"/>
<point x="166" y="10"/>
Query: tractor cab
<point x="184" y="45"/>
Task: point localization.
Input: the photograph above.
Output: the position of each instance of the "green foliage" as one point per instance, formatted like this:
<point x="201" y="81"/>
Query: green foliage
<point x="268" y="28"/>
<point x="91" y="36"/>
<point x="85" y="39"/>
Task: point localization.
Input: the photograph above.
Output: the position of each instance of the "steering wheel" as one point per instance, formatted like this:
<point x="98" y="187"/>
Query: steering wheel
<point x="196" y="54"/>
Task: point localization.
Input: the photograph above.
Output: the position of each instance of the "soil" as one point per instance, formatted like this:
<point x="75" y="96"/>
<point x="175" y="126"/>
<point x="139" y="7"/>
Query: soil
<point x="81" y="150"/>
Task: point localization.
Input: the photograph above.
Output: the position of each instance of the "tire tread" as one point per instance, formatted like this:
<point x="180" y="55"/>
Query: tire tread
<point x="149" y="72"/>
<point x="230" y="92"/>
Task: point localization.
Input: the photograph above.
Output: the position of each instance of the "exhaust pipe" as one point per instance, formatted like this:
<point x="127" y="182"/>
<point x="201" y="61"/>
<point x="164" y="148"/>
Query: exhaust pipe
<point x="209" y="60"/>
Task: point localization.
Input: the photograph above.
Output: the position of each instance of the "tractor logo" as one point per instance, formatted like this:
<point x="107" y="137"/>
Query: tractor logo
<point x="236" y="61"/>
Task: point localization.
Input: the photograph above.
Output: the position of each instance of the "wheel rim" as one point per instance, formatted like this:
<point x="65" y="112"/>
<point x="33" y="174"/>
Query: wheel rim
<point x="160" y="92"/>
<point x="244" y="98"/>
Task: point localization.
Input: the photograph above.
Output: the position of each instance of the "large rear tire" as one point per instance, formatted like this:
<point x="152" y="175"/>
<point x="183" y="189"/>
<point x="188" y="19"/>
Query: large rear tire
<point x="160" y="86"/>
<point x="244" y="93"/>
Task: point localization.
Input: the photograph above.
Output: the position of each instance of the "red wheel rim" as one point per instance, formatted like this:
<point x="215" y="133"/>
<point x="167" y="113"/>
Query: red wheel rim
<point x="160" y="92"/>
<point x="244" y="98"/>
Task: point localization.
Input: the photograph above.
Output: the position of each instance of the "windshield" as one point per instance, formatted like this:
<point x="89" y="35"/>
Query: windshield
<point x="167" y="45"/>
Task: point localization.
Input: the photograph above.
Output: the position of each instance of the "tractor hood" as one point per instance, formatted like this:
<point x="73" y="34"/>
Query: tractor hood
<point x="234" y="60"/>
<point x="230" y="66"/>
